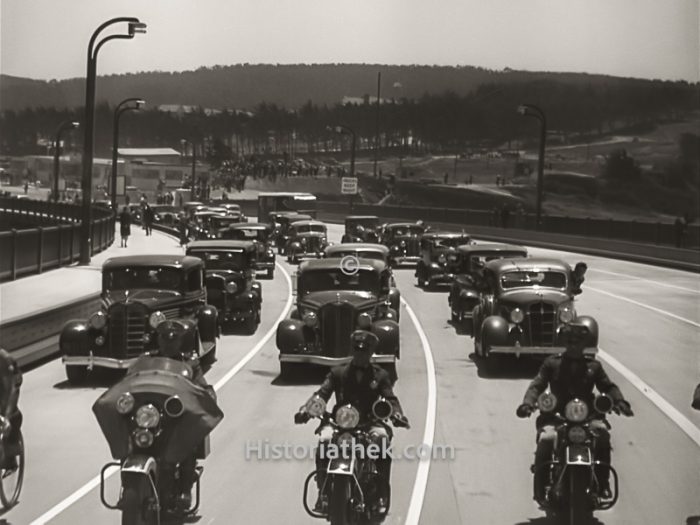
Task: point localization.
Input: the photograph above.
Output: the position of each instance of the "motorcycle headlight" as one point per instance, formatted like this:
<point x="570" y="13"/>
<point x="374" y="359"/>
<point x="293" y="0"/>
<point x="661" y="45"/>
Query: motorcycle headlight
<point x="566" y="315"/>
<point x="345" y="441"/>
<point x="156" y="318"/>
<point x="147" y="416"/>
<point x="577" y="435"/>
<point x="231" y="287"/>
<point x="364" y="320"/>
<point x="347" y="417"/>
<point x="98" y="320"/>
<point x="125" y="403"/>
<point x="547" y="402"/>
<point x="517" y="315"/>
<point x="310" y="319"/>
<point x="576" y="411"/>
<point x="315" y="406"/>
<point x="143" y="438"/>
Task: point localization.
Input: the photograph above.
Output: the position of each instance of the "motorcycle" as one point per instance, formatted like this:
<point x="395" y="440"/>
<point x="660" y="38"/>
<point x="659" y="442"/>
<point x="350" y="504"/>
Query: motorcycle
<point x="352" y="481"/>
<point x="153" y="420"/>
<point x="570" y="482"/>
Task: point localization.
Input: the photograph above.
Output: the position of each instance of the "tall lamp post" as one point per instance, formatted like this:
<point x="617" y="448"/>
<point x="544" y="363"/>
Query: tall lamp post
<point x="194" y="161"/>
<point x="64" y="126"/>
<point x="530" y="110"/>
<point x="134" y="27"/>
<point x="346" y="129"/>
<point x="122" y="107"/>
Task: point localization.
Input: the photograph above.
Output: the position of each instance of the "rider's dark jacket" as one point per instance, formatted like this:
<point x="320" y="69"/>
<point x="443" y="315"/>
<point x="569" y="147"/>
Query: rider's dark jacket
<point x="374" y="383"/>
<point x="10" y="382"/>
<point x="571" y="378"/>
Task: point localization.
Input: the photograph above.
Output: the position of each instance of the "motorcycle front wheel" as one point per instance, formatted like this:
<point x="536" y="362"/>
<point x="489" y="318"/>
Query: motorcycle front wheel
<point x="580" y="512"/>
<point x="136" y="495"/>
<point x="339" y="505"/>
<point x="11" y="478"/>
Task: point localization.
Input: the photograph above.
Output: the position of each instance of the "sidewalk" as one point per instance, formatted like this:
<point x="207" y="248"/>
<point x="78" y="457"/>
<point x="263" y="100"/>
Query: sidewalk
<point x="55" y="288"/>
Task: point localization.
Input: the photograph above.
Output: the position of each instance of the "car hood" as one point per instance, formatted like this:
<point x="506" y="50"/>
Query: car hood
<point x="226" y="274"/>
<point x="356" y="298"/>
<point x="310" y="234"/>
<point x="528" y="296"/>
<point x="150" y="298"/>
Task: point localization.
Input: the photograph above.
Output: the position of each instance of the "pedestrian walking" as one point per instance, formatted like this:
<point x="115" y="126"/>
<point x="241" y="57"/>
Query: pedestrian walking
<point x="679" y="229"/>
<point x="148" y="219"/>
<point x="125" y="225"/>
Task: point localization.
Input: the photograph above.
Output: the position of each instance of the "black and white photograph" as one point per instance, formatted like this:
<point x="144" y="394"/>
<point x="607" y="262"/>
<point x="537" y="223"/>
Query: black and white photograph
<point x="350" y="262"/>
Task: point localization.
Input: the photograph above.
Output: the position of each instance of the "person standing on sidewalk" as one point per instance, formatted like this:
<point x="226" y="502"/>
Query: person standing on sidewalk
<point x="125" y="225"/>
<point x="148" y="219"/>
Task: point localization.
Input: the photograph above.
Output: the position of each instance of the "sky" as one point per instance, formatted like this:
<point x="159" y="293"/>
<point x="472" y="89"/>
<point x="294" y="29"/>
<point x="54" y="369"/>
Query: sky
<point x="47" y="39"/>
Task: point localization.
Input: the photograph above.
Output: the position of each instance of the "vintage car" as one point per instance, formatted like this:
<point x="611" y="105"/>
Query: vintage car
<point x="331" y="304"/>
<point x="468" y="282"/>
<point x="192" y="207"/>
<point x="219" y="224"/>
<point x="283" y="222"/>
<point x="259" y="233"/>
<point x="377" y="252"/>
<point x="200" y="224"/>
<point x="438" y="260"/>
<point x="306" y="240"/>
<point x="235" y="209"/>
<point x="526" y="304"/>
<point x="138" y="293"/>
<point x="164" y="214"/>
<point x="230" y="280"/>
<point x="403" y="241"/>
<point x="361" y="228"/>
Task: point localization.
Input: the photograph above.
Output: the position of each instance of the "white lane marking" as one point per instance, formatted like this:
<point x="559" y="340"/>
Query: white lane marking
<point x="669" y="410"/>
<point x="421" y="483"/>
<point x="634" y="277"/>
<point x="653" y="309"/>
<point x="95" y="482"/>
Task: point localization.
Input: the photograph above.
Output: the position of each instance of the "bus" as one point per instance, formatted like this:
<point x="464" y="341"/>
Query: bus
<point x="285" y="202"/>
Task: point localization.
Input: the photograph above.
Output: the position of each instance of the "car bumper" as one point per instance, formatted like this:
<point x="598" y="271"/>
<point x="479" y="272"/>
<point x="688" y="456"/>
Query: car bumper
<point x="265" y="265"/>
<point x="441" y="278"/>
<point x="332" y="361"/>
<point x="92" y="361"/>
<point x="535" y="350"/>
<point x="406" y="259"/>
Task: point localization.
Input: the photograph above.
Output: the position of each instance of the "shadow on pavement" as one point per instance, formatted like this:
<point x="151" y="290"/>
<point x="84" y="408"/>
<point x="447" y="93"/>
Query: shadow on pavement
<point x="506" y="367"/>
<point x="544" y="520"/>
<point x="460" y="329"/>
<point x="98" y="378"/>
<point x="302" y="375"/>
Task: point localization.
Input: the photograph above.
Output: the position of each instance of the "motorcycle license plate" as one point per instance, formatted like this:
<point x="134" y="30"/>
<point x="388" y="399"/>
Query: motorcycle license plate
<point x="341" y="466"/>
<point x="578" y="455"/>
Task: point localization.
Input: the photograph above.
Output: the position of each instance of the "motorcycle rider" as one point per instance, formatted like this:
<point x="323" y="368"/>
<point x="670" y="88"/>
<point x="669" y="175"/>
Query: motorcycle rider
<point x="572" y="375"/>
<point x="10" y="415"/>
<point x="359" y="383"/>
<point x="175" y="339"/>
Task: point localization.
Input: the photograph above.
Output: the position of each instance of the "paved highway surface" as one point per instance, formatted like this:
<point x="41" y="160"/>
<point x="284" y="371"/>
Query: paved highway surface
<point x="650" y="322"/>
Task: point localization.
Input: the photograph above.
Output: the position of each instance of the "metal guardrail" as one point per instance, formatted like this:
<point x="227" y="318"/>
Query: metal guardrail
<point x="55" y="242"/>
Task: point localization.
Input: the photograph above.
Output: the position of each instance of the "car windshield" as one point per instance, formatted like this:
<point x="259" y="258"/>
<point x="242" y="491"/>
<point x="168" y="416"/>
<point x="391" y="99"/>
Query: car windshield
<point x="315" y="228"/>
<point x="366" y="223"/>
<point x="525" y="279"/>
<point x="222" y="259"/>
<point x="450" y="242"/>
<point x="249" y="235"/>
<point x="322" y="280"/>
<point x="161" y="278"/>
<point x="370" y="254"/>
<point x="402" y="231"/>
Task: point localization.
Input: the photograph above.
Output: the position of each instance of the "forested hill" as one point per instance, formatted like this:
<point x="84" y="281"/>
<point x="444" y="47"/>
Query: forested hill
<point x="290" y="86"/>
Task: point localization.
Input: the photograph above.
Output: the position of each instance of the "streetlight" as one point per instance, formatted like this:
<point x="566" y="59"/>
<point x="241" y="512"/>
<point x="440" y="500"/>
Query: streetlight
<point x="134" y="27"/>
<point x="64" y="126"/>
<point x="121" y="108"/>
<point x="346" y="129"/>
<point x="530" y="110"/>
<point x="194" y="160"/>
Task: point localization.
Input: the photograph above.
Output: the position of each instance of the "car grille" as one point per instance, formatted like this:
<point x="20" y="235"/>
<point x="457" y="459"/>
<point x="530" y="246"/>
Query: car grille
<point x="127" y="324"/>
<point x="541" y="324"/>
<point x="337" y="323"/>
<point x="412" y="247"/>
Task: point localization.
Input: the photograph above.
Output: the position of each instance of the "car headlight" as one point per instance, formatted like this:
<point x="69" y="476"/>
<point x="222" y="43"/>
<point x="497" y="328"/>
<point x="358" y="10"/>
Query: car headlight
<point x="98" y="320"/>
<point x="364" y="320"/>
<point x="566" y="315"/>
<point x="576" y="411"/>
<point x="577" y="435"/>
<point x="125" y="403"/>
<point x="143" y="438"/>
<point x="99" y="340"/>
<point x="156" y="318"/>
<point x="147" y="416"/>
<point x="402" y="244"/>
<point x="231" y="287"/>
<point x="310" y="319"/>
<point x="442" y="259"/>
<point x="347" y="417"/>
<point x="517" y="315"/>
<point x="547" y="402"/>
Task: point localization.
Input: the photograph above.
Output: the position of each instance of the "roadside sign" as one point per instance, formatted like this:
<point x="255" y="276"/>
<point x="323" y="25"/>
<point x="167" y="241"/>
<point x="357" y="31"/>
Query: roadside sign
<point x="348" y="186"/>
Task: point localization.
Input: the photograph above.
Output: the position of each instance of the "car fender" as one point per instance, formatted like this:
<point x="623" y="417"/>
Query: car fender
<point x="494" y="331"/>
<point x="290" y="335"/>
<point x="75" y="338"/>
<point x="257" y="289"/>
<point x="207" y="322"/>
<point x="394" y="297"/>
<point x="387" y="330"/>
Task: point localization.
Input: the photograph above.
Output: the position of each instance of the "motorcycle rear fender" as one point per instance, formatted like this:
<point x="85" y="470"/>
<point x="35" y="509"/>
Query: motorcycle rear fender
<point x="139" y="464"/>
<point x="342" y="466"/>
<point x="579" y="455"/>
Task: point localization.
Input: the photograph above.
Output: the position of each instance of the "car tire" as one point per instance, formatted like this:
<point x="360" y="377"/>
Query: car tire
<point x="468" y="325"/>
<point x="76" y="374"/>
<point x="251" y="324"/>
<point x="270" y="273"/>
<point x="210" y="358"/>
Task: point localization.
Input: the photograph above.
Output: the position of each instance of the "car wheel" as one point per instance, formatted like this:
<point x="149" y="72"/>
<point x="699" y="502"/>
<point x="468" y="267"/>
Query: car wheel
<point x="250" y="324"/>
<point x="270" y="273"/>
<point x="209" y="358"/>
<point x="454" y="317"/>
<point x="76" y="374"/>
<point x="468" y="324"/>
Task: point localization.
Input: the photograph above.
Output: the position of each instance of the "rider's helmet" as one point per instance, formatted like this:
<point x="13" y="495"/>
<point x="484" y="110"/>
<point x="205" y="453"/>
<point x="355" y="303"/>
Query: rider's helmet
<point x="175" y="338"/>
<point x="364" y="341"/>
<point x="575" y="333"/>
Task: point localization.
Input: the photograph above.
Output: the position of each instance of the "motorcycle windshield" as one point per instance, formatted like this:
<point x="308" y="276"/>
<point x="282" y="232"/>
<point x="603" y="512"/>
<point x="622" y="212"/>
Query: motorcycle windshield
<point x="159" y="379"/>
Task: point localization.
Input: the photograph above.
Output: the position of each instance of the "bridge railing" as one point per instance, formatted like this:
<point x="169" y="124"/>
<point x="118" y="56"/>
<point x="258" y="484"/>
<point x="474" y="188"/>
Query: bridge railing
<point x="54" y="242"/>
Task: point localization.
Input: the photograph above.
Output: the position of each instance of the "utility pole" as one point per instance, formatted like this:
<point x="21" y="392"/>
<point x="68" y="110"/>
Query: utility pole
<point x="376" y="129"/>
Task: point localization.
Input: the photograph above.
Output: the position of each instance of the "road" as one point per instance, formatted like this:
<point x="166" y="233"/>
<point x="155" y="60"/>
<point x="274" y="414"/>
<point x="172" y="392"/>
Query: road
<point x="649" y="319"/>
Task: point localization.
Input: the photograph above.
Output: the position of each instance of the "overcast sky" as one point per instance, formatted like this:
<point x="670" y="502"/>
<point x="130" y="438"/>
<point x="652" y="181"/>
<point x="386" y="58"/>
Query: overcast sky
<point x="47" y="39"/>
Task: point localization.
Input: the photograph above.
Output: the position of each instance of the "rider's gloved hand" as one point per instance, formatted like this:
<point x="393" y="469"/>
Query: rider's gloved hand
<point x="524" y="410"/>
<point x="301" y="417"/>
<point x="400" y="421"/>
<point x="624" y="408"/>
